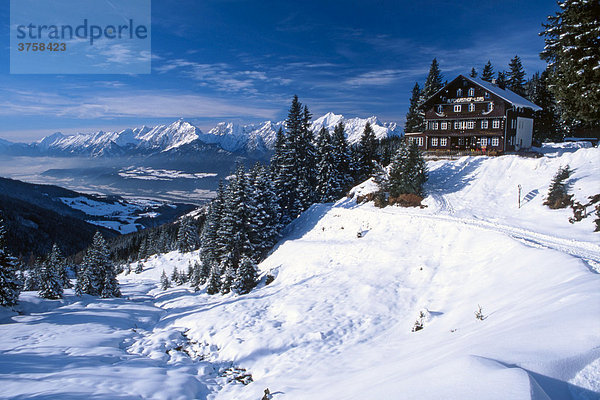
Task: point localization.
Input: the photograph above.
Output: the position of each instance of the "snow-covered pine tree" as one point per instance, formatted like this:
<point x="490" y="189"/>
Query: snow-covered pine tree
<point x="572" y="42"/>
<point x="294" y="173"/>
<point x="214" y="280"/>
<point x="10" y="286"/>
<point x="558" y="193"/>
<point x="32" y="279"/>
<point x="187" y="236"/>
<point x="209" y="253"/>
<point x="204" y="273"/>
<point x="190" y="273"/>
<point x="414" y="118"/>
<point x="487" y="74"/>
<point x="341" y="158"/>
<point x="110" y="286"/>
<point x="263" y="212"/>
<point x="328" y="186"/>
<point x="164" y="281"/>
<point x="59" y="263"/>
<point x="246" y="277"/>
<point x="473" y="73"/>
<point x="434" y="81"/>
<point x="367" y="154"/>
<point x="175" y="275"/>
<point x="234" y="240"/>
<point x="516" y="76"/>
<point x="96" y="275"/>
<point x="51" y="281"/>
<point x="228" y="274"/>
<point x="408" y="172"/>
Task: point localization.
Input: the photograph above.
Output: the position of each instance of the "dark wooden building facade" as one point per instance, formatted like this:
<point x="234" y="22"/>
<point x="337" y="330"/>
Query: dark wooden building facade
<point x="471" y="114"/>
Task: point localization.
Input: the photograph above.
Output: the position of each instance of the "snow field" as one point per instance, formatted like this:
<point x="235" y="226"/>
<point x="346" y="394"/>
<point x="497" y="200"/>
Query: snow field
<point x="336" y="321"/>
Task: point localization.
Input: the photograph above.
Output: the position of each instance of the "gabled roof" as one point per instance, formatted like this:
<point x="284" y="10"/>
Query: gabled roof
<point x="505" y="94"/>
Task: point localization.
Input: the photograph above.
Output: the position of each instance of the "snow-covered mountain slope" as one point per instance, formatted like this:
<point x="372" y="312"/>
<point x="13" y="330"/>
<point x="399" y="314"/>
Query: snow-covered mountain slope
<point x="354" y="127"/>
<point x="253" y="138"/>
<point x="336" y="322"/>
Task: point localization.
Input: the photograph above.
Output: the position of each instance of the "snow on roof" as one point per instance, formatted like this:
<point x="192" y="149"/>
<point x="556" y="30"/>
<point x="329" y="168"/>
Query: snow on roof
<point x="506" y="94"/>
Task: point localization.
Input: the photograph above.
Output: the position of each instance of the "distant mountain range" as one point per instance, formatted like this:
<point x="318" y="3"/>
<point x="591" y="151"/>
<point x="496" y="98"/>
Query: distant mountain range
<point x="253" y="139"/>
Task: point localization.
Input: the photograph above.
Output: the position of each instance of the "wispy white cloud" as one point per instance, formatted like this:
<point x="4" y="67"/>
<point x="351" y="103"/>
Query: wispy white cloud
<point x="221" y="76"/>
<point x="142" y="104"/>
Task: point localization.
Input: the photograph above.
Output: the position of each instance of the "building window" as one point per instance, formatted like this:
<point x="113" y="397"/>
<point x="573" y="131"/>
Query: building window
<point x="434" y="142"/>
<point x="471" y="124"/>
<point x="471" y="106"/>
<point x="459" y="93"/>
<point x="456" y="125"/>
<point x="513" y="123"/>
<point x="496" y="124"/>
<point x="420" y="141"/>
<point x="495" y="141"/>
<point x="490" y="106"/>
<point x="457" y="108"/>
<point x="484" y="124"/>
<point x="444" y="125"/>
<point x="439" y="109"/>
<point x="483" y="142"/>
<point x="435" y="125"/>
<point x="443" y="142"/>
<point x="471" y="92"/>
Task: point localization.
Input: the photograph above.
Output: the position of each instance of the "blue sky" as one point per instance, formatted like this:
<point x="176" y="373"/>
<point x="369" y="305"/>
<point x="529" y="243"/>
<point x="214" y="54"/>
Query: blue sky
<point x="244" y="60"/>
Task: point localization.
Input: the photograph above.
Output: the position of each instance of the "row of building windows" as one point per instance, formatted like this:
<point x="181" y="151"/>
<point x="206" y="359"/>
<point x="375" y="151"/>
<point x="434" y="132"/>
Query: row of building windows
<point x="470" y="93"/>
<point x="443" y="142"/>
<point x="458" y="107"/>
<point x="464" y="124"/>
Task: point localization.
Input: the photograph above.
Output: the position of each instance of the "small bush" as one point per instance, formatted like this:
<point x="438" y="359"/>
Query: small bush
<point x="406" y="200"/>
<point x="479" y="313"/>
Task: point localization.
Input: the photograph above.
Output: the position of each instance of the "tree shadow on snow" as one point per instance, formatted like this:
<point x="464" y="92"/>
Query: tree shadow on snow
<point x="450" y="177"/>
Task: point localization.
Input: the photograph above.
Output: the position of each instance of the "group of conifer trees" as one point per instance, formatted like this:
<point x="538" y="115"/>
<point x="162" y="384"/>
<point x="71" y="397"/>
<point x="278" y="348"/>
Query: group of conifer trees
<point x="49" y="276"/>
<point x="246" y="217"/>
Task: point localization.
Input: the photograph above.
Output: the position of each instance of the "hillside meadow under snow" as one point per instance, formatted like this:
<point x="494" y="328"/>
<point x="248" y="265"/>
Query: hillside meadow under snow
<point x="336" y="322"/>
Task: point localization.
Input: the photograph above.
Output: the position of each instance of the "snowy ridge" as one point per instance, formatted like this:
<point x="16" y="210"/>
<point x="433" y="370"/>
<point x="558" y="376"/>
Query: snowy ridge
<point x="230" y="136"/>
<point x="354" y="127"/>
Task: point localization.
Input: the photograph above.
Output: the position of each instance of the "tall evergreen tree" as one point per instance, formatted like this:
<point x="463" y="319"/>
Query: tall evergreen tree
<point x="210" y="254"/>
<point x="214" y="280"/>
<point x="294" y="172"/>
<point x="367" y="152"/>
<point x="187" y="236"/>
<point x="341" y="157"/>
<point x="473" y="73"/>
<point x="434" y="81"/>
<point x="10" y="286"/>
<point x="487" y="74"/>
<point x="264" y="216"/>
<point x="164" y="281"/>
<point x="246" y="277"/>
<point x="97" y="275"/>
<point x="558" y="193"/>
<point x="408" y="172"/>
<point x="414" y="119"/>
<point x="546" y="121"/>
<point x="572" y="42"/>
<point x="53" y="275"/>
<point x="516" y="76"/>
<point x="328" y="186"/>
